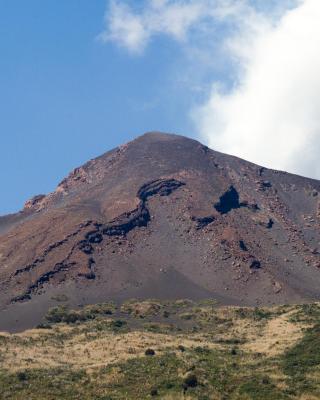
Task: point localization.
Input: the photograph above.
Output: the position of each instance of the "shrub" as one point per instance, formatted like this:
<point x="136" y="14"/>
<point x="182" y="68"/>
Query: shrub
<point x="72" y="317"/>
<point x="186" y="316"/>
<point x="62" y="314"/>
<point x="190" y="380"/>
<point x="118" y="323"/>
<point x="149" y="352"/>
<point x="201" y="350"/>
<point x="44" y="326"/>
<point x="22" y="376"/>
<point x="166" y="314"/>
<point x="56" y="314"/>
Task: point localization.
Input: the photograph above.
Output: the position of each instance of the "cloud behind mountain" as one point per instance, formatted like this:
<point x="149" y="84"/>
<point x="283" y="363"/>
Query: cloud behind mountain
<point x="265" y="108"/>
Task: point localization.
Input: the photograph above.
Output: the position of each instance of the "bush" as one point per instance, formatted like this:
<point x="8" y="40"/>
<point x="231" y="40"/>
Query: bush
<point x="56" y="314"/>
<point x="62" y="314"/>
<point x="118" y="323"/>
<point x="201" y="350"/>
<point x="190" y="380"/>
<point x="186" y="316"/>
<point x="44" y="326"/>
<point x="22" y="376"/>
<point x="72" y="317"/>
<point x="166" y="314"/>
<point x="149" y="352"/>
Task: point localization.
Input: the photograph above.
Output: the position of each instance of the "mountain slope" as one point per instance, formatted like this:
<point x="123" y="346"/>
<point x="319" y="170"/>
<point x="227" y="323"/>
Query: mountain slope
<point x="162" y="216"/>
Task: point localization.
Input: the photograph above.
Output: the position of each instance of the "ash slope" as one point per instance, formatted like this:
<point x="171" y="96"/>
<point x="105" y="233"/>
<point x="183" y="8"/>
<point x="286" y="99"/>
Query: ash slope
<point x="162" y="216"/>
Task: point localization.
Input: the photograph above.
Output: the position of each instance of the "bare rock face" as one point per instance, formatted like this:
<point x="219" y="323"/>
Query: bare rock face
<point x="35" y="202"/>
<point x="162" y="216"/>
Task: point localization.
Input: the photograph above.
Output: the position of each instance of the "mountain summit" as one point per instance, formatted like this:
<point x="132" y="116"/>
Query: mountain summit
<point x="165" y="217"/>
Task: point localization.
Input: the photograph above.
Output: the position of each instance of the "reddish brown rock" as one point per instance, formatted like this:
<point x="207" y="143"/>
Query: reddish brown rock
<point x="162" y="216"/>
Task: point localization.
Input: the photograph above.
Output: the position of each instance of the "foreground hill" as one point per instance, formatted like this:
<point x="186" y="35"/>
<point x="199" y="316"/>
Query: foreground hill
<point x="163" y="217"/>
<point x="165" y="350"/>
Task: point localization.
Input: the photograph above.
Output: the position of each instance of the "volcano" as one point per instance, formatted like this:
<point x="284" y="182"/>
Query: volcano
<point x="162" y="217"/>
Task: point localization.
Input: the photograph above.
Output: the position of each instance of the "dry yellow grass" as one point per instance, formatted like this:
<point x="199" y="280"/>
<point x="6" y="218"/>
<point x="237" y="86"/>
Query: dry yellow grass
<point x="84" y="352"/>
<point x="274" y="338"/>
<point x="230" y="350"/>
<point x="34" y="349"/>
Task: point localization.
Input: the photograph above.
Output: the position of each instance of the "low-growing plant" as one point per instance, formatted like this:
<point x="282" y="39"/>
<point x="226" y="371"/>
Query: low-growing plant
<point x="190" y="380"/>
<point x="149" y="352"/>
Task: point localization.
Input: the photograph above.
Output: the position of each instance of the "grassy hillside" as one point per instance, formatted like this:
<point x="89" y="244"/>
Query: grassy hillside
<point x="165" y="350"/>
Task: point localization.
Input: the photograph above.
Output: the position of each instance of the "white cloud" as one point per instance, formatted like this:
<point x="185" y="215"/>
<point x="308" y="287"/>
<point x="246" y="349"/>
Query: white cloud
<point x="134" y="30"/>
<point x="124" y="27"/>
<point x="270" y="114"/>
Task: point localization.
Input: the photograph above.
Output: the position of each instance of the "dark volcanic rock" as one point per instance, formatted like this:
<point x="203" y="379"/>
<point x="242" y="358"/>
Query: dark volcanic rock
<point x="162" y="216"/>
<point x="228" y="201"/>
<point x="255" y="264"/>
<point x="203" y="222"/>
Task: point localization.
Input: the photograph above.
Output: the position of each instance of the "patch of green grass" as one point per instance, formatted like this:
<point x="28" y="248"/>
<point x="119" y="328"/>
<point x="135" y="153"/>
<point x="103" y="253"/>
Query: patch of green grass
<point x="214" y="373"/>
<point x="44" y="384"/>
<point x="158" y="327"/>
<point x="303" y="359"/>
<point x="257" y="314"/>
<point x="261" y="388"/>
<point x="60" y="298"/>
<point x="219" y="365"/>
<point x="137" y="377"/>
<point x="63" y="314"/>
<point x="306" y="313"/>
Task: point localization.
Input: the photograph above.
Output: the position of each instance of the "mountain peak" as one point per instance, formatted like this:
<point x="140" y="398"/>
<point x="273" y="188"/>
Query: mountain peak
<point x="162" y="216"/>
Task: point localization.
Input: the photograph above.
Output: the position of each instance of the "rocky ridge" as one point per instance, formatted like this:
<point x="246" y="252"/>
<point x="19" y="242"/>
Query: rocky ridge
<point x="163" y="216"/>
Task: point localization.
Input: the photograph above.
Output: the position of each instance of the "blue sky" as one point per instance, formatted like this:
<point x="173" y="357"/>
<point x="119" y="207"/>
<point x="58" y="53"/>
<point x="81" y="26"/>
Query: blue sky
<point x="66" y="97"/>
<point x="77" y="80"/>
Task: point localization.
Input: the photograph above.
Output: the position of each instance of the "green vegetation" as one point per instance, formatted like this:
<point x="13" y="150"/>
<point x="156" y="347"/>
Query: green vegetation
<point x="254" y="313"/>
<point x="63" y="314"/>
<point x="301" y="363"/>
<point x="144" y="350"/>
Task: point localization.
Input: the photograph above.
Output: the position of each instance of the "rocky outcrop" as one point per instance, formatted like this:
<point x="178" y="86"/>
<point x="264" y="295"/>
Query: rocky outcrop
<point x="228" y="201"/>
<point x="35" y="202"/>
<point x="120" y="226"/>
<point x="222" y="214"/>
<point x="49" y="249"/>
<point x="44" y="278"/>
<point x="254" y="264"/>
<point x="162" y="187"/>
<point x="202" y="222"/>
<point x="128" y="221"/>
